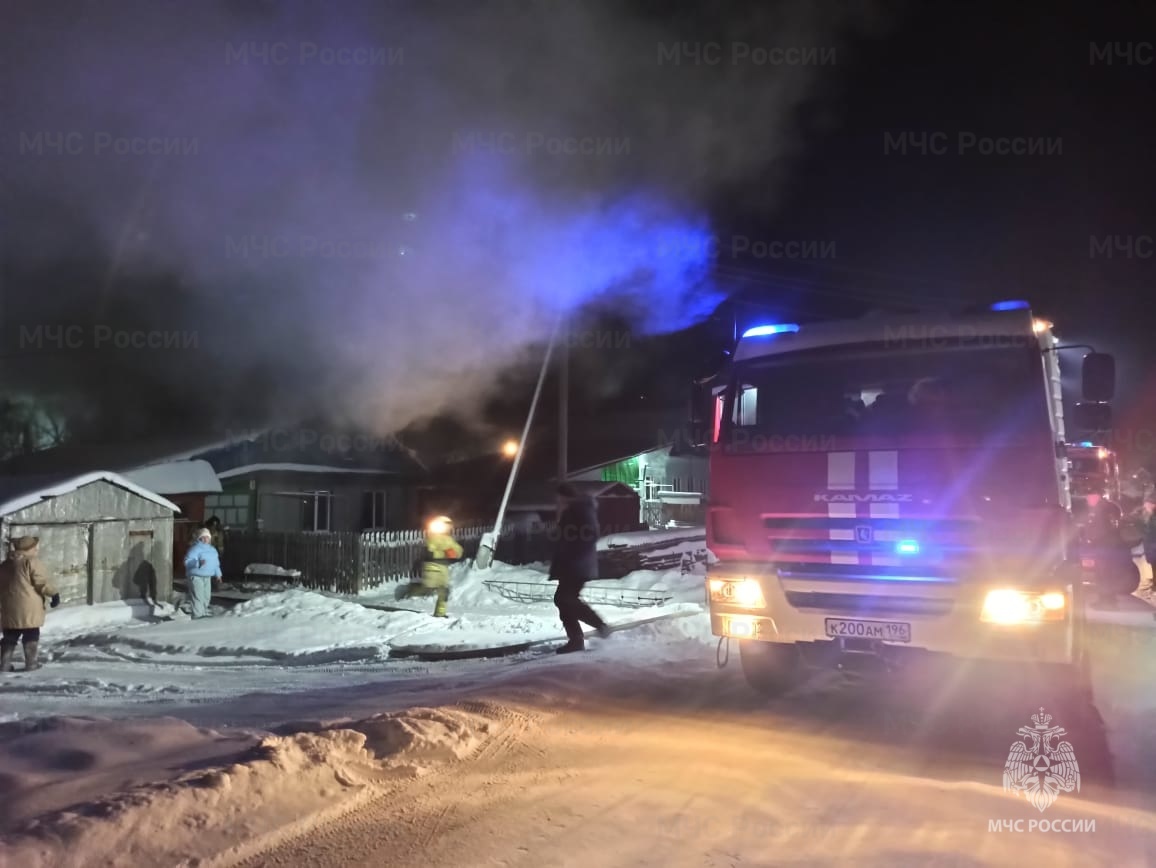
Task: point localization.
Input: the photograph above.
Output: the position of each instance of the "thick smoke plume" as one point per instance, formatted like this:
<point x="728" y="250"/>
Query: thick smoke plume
<point x="366" y="209"/>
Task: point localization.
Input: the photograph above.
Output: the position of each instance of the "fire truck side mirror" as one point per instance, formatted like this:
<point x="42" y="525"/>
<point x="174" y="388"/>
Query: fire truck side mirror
<point x="1098" y="377"/>
<point x="1093" y="417"/>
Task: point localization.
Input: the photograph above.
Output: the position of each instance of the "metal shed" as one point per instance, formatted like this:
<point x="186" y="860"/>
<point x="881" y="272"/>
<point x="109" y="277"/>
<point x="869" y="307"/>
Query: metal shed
<point x="102" y="537"/>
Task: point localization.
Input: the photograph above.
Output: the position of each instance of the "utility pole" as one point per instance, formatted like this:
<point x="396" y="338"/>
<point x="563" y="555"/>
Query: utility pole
<point x="563" y="404"/>
<point x="489" y="541"/>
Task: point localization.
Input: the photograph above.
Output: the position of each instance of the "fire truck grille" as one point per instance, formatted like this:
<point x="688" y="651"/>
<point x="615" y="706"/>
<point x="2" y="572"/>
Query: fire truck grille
<point x="869" y="606"/>
<point x="825" y="539"/>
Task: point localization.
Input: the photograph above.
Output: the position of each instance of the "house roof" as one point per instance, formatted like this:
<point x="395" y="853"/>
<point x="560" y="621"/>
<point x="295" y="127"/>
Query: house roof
<point x="593" y="442"/>
<point x="21" y="492"/>
<point x="231" y="455"/>
<point x="611" y="462"/>
<point x="300" y="468"/>
<point x="118" y="457"/>
<point x="177" y="477"/>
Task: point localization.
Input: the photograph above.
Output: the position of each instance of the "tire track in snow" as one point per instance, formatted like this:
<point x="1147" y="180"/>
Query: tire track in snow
<point x="385" y="820"/>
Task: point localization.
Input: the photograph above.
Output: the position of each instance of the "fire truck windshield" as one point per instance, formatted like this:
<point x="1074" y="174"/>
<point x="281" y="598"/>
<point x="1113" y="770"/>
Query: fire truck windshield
<point x="878" y="391"/>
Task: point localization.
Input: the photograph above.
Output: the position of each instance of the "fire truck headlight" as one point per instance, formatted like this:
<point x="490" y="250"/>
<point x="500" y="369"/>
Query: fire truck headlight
<point x="1022" y="607"/>
<point x="744" y="593"/>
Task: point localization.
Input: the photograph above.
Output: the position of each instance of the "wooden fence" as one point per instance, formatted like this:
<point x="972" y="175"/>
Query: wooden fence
<point x="348" y="563"/>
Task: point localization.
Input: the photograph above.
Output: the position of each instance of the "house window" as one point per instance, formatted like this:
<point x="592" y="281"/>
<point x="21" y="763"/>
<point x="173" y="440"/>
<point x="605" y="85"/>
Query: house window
<point x="316" y="510"/>
<point x="231" y="509"/>
<point x="373" y="514"/>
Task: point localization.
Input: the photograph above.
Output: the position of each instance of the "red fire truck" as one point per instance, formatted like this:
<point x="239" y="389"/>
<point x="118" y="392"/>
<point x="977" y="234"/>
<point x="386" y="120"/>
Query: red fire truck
<point x="1093" y="469"/>
<point x="893" y="490"/>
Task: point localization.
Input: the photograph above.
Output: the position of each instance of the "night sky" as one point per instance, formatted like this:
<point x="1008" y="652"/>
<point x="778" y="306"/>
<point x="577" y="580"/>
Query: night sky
<point x="918" y="228"/>
<point x="827" y="187"/>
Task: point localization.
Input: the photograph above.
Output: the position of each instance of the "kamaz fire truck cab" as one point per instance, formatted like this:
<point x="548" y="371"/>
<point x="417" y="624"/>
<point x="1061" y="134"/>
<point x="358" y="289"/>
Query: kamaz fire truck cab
<point x="895" y="488"/>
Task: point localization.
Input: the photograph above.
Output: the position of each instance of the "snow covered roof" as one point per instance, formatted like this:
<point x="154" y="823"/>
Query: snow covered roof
<point x="299" y="468"/>
<point x="177" y="477"/>
<point x="23" y="492"/>
<point x="119" y="456"/>
<point x="233" y="439"/>
<point x="611" y="462"/>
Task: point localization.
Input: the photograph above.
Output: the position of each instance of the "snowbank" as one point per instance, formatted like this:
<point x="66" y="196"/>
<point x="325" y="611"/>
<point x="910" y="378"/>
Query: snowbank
<point x="650" y="537"/>
<point x="271" y="570"/>
<point x="59" y="761"/>
<point x="281" y="783"/>
<point x="291" y="627"/>
<point x="297" y="627"/>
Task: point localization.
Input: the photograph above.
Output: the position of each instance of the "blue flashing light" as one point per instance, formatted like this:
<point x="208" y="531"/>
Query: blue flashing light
<point x="776" y="329"/>
<point x="907" y="547"/>
<point x="1010" y="305"/>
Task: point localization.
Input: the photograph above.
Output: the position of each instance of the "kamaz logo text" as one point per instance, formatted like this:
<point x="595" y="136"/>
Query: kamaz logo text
<point x="845" y="497"/>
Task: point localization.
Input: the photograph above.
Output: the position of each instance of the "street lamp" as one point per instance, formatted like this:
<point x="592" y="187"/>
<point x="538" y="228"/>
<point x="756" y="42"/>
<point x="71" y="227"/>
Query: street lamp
<point x="510" y="448"/>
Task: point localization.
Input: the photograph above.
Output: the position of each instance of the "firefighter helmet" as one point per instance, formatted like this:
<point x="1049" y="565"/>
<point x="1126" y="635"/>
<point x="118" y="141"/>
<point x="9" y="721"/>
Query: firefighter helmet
<point x="439" y="525"/>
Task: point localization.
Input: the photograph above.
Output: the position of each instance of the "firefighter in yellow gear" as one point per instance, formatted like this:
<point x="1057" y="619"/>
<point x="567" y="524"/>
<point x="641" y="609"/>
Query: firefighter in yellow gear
<point x="441" y="550"/>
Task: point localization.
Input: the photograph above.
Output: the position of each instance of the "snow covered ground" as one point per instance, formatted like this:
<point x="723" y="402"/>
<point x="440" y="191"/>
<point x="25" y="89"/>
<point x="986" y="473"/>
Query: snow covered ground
<point x="280" y="732"/>
<point x="114" y="655"/>
<point x="207" y="699"/>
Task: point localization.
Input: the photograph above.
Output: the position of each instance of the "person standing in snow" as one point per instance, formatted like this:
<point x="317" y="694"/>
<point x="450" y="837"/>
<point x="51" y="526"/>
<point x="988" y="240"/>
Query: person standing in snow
<point x="441" y="550"/>
<point x="24" y="590"/>
<point x="202" y="570"/>
<point x="575" y="563"/>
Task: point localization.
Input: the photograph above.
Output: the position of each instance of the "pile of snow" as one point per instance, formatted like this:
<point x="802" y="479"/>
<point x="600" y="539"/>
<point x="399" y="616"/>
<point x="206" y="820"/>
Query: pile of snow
<point x="234" y="809"/>
<point x="471" y="590"/>
<point x="271" y="570"/>
<point x="292" y="626"/>
<point x="299" y="627"/>
<point x="60" y="761"/>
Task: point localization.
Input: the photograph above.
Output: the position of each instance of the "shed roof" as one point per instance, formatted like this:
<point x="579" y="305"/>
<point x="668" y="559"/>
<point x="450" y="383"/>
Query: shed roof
<point x="21" y="492"/>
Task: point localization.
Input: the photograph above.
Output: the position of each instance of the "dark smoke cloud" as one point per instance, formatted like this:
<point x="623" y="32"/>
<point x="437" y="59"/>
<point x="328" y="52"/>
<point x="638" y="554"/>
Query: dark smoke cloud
<point x="369" y="209"/>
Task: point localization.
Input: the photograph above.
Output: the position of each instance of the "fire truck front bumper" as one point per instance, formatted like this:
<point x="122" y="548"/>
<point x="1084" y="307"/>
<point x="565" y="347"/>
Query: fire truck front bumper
<point x="835" y="621"/>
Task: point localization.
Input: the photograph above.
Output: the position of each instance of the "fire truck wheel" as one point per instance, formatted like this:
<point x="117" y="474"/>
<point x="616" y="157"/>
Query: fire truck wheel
<point x="770" y="668"/>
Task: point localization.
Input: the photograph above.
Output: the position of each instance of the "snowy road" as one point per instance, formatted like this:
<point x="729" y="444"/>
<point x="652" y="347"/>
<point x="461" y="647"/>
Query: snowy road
<point x="640" y="753"/>
<point x="280" y="734"/>
<point x="693" y="770"/>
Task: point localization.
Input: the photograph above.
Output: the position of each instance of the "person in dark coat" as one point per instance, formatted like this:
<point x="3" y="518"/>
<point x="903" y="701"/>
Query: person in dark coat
<point x="575" y="563"/>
